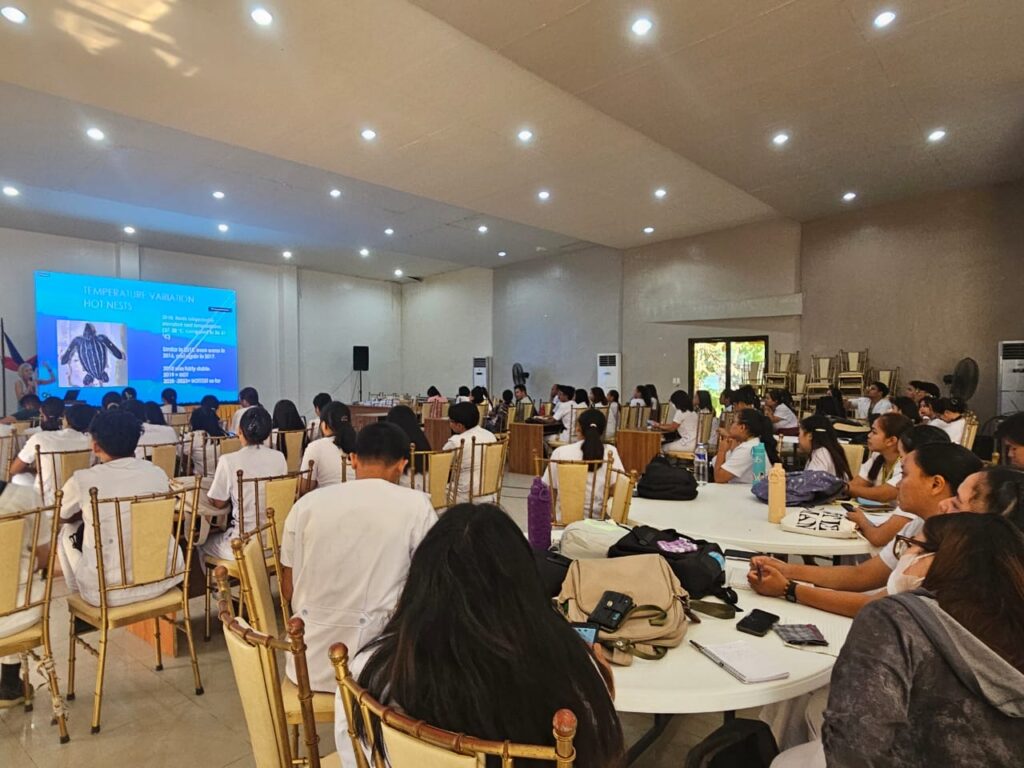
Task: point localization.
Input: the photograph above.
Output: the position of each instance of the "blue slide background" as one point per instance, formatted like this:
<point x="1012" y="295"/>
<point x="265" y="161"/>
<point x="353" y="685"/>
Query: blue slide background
<point x="159" y="316"/>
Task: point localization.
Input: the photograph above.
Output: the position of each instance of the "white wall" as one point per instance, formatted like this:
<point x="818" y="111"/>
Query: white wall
<point x="446" y="322"/>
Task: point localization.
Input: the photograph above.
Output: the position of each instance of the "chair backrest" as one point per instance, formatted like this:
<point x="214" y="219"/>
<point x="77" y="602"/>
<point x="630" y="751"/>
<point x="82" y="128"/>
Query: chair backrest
<point x="705" y="423"/>
<point x="440" y="476"/>
<point x="633" y="416"/>
<point x="888" y="376"/>
<point x="58" y="465"/>
<point x="621" y="495"/>
<point x="289" y="442"/>
<point x="970" y="430"/>
<point x="853" y="362"/>
<point x="164" y="456"/>
<point x="484" y="410"/>
<point x="8" y="452"/>
<point x="411" y="743"/>
<point x="215" y="447"/>
<point x="726" y="419"/>
<point x="785" y="362"/>
<point x="156" y="522"/>
<point x="487" y="468"/>
<point x="822" y="368"/>
<point x="854" y="457"/>
<point x="22" y="533"/>
<point x="256" y="554"/>
<point x="524" y="410"/>
<point x="573" y="485"/>
<point x="277" y="491"/>
<point x="178" y="420"/>
<point x="754" y="372"/>
<point x="253" y="657"/>
<point x="799" y="383"/>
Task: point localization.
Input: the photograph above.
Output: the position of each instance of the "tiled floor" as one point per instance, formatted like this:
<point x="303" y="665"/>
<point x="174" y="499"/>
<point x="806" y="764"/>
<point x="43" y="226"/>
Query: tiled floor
<point x="155" y="719"/>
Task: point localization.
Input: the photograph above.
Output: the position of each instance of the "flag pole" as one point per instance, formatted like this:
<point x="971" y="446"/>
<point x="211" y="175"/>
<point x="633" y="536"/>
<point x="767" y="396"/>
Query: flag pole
<point x="3" y="361"/>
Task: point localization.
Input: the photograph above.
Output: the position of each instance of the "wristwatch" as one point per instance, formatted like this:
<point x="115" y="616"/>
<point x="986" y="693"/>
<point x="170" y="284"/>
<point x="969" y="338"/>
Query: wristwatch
<point x="791" y="591"/>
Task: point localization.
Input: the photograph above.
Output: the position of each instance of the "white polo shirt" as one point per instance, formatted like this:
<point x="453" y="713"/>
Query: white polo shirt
<point x="482" y="436"/>
<point x="910" y="530"/>
<point x="326" y="458"/>
<point x="821" y="461"/>
<point x="955" y="429"/>
<point x="16" y="499"/>
<point x="686" y="431"/>
<point x="254" y="461"/>
<point x="117" y="478"/>
<point x="786" y="418"/>
<point x="574" y="452"/>
<point x="155" y="434"/>
<point x="882" y="406"/>
<point x="740" y="461"/>
<point x="236" y="419"/>
<point x="349" y="547"/>
<point x="893" y="479"/>
<point x="48" y="442"/>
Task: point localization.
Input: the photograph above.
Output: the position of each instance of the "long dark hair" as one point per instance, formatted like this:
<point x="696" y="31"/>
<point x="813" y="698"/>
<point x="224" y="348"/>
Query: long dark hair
<point x="154" y="415"/>
<point x="892" y="424"/>
<point x="760" y="426"/>
<point x="613" y="396"/>
<point x="286" y="416"/>
<point x="256" y="425"/>
<point x="433" y="392"/>
<point x="597" y="396"/>
<point x="977" y="576"/>
<point x="51" y="411"/>
<point x="782" y="397"/>
<point x="1004" y="493"/>
<point x="170" y="396"/>
<point x="338" y="417"/>
<point x="681" y="400"/>
<point x="592" y="424"/>
<point x="475" y="645"/>
<point x="204" y="419"/>
<point x="580" y="397"/>
<point x="824" y="436"/>
<point x="703" y="401"/>
<point x="907" y="407"/>
<point x="404" y="417"/>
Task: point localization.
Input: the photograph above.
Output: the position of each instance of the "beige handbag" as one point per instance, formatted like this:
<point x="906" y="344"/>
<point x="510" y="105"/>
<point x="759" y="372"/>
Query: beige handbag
<point x="656" y="623"/>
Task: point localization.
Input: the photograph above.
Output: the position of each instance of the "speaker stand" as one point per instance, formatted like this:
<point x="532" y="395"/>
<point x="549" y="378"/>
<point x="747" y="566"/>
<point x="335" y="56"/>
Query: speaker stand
<point x="360" y="387"/>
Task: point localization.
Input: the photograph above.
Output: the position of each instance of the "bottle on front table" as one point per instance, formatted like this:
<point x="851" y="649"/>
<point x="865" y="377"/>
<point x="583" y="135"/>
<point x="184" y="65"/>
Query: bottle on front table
<point x="760" y="462"/>
<point x="776" y="494"/>
<point x="700" y="463"/>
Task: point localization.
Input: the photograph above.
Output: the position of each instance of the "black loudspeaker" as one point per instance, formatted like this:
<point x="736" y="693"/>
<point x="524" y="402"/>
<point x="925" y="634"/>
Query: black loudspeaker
<point x="360" y="358"/>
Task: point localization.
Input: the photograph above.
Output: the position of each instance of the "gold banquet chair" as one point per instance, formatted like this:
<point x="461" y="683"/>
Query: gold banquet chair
<point x="22" y="595"/>
<point x="165" y="456"/>
<point x="157" y="523"/>
<point x="854" y="457"/>
<point x="411" y="743"/>
<point x="705" y="421"/>
<point x="571" y="483"/>
<point x="289" y="442"/>
<point x="253" y="657"/>
<point x="440" y="476"/>
<point x="61" y="465"/>
<point x="214" y="447"/>
<point x="487" y="469"/>
<point x="623" y="484"/>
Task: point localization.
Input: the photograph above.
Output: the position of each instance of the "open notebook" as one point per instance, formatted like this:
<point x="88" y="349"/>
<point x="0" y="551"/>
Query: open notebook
<point x="741" y="660"/>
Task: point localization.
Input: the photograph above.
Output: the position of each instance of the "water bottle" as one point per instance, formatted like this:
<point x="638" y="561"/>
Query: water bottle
<point x="700" y="463"/>
<point x="760" y="466"/>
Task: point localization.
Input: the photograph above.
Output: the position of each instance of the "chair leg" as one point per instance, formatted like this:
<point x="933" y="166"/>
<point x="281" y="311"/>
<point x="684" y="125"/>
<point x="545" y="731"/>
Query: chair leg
<point x="192" y="648"/>
<point x="71" y="658"/>
<point x="26" y="684"/>
<point x="159" y="650"/>
<point x="101" y="663"/>
<point x="209" y="588"/>
<point x="295" y="741"/>
<point x="58" y="706"/>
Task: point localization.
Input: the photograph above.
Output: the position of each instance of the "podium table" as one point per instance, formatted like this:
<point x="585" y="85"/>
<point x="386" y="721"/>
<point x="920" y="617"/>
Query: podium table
<point x="525" y="442"/>
<point x="637" y="447"/>
<point x="437" y="431"/>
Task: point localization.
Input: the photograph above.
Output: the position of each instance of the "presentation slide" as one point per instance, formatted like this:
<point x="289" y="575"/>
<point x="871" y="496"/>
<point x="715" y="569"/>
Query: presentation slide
<point x="101" y="333"/>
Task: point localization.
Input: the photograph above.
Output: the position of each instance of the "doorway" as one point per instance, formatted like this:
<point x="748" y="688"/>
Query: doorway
<point x="726" y="362"/>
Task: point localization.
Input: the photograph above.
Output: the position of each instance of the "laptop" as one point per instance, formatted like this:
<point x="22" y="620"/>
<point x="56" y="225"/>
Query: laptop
<point x="71" y="396"/>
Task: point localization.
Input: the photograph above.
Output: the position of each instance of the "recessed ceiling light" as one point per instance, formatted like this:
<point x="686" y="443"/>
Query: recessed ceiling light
<point x="648" y="230"/>
<point x="11" y="191"/>
<point x="222" y="227"/>
<point x="525" y="135"/>
<point x="389" y="231"/>
<point x="849" y="197"/>
<point x="398" y="273"/>
<point x="937" y="135"/>
<point x="779" y="139"/>
<point x="543" y="195"/>
<point x="502" y="254"/>
<point x="262" y="16"/>
<point x="482" y="229"/>
<point x="369" y="134"/>
<point x="96" y="134"/>
<point x="642" y="26"/>
<point x="364" y="252"/>
<point x="13" y="15"/>
<point x="660" y="192"/>
<point x="129" y="230"/>
<point x="335" y="193"/>
<point x="286" y="254"/>
<point x="218" y="195"/>
<point x="884" y="19"/>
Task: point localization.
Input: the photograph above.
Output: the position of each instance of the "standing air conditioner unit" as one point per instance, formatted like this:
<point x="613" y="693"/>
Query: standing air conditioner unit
<point x="1011" y="377"/>
<point x="608" y="371"/>
<point x="482" y="372"/>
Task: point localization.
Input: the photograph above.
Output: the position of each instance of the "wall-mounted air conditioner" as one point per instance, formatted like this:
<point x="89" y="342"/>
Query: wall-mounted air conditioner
<point x="482" y="372"/>
<point x="608" y="376"/>
<point x="1011" y="377"/>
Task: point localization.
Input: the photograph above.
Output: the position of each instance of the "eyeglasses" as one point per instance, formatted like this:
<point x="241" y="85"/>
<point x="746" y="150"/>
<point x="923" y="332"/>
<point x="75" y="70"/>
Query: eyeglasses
<point x="902" y="543"/>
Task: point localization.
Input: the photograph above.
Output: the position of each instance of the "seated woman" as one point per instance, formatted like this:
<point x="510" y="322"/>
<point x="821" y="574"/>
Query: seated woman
<point x="951" y="417"/>
<point x="934" y="676"/>
<point x="204" y="423"/>
<point x="463" y="396"/>
<point x="881" y="534"/>
<point x="651" y="396"/>
<point x="879" y="476"/>
<point x="640" y="396"/>
<point x="778" y="406"/>
<point x="683" y="427"/>
<point x="908" y="408"/>
<point x="994" y="490"/>
<point x="169" y="401"/>
<point x="589" y="446"/>
<point x="818" y="440"/>
<point x="497" y="417"/>
<point x="478" y="396"/>
<point x="926" y="409"/>
<point x="404" y="417"/>
<point x="472" y="617"/>
<point x="1011" y="435"/>
<point x="613" y="415"/>
<point x="329" y="451"/>
<point x="154" y="429"/>
<point x="287" y="419"/>
<point x="734" y="462"/>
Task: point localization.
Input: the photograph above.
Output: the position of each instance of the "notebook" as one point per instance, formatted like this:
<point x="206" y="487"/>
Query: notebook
<point x="741" y="660"/>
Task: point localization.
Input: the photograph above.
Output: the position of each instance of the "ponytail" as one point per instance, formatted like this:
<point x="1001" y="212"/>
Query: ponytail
<point x="823" y="435"/>
<point x="170" y="397"/>
<point x="760" y="426"/>
<point x="338" y="417"/>
<point x="256" y="425"/>
<point x="592" y="424"/>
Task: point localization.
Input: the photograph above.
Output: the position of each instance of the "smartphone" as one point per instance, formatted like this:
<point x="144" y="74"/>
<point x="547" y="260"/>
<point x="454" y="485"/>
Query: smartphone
<point x="757" y="622"/>
<point x="611" y="610"/>
<point x="586" y="630"/>
<point x="739" y="554"/>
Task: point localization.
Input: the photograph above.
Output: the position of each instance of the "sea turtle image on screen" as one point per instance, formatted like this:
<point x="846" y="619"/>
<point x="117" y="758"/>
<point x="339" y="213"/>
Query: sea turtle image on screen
<point x="91" y="349"/>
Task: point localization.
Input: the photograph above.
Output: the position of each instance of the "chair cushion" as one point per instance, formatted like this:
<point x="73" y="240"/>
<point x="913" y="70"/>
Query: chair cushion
<point x="323" y="704"/>
<point x="121" y="615"/>
<point x="332" y="760"/>
<point x="27" y="638"/>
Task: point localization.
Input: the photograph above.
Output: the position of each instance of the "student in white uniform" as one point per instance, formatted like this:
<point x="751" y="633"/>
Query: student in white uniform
<point x="778" y="406"/>
<point x="614" y="410"/>
<point x="639" y="396"/>
<point x="683" y="426"/>
<point x="155" y="430"/>
<point x="589" y="446"/>
<point x="734" y="462"/>
<point x="204" y="423"/>
<point x="52" y="438"/>
<point x="951" y="417"/>
<point x="247" y="398"/>
<point x="463" y="396"/>
<point x="169" y="398"/>
<point x="818" y="440"/>
<point x="346" y="550"/>
<point x="313" y="428"/>
<point x="879" y="476"/>
<point x="702" y="403"/>
<point x="878" y="397"/>
<point x="115" y="435"/>
<point x="328" y="452"/>
<point x="254" y="460"/>
<point x="465" y="423"/>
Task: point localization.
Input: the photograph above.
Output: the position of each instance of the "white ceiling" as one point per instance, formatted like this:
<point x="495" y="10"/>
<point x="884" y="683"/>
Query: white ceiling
<point x="194" y="96"/>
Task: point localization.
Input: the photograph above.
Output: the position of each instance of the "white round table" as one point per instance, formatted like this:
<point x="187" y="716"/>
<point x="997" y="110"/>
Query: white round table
<point x="731" y="516"/>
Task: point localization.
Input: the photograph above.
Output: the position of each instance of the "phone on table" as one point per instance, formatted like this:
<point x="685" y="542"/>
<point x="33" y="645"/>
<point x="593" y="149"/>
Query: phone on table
<point x="800" y="634"/>
<point x="757" y="622"/>
<point x="587" y="630"/>
<point x="611" y="610"/>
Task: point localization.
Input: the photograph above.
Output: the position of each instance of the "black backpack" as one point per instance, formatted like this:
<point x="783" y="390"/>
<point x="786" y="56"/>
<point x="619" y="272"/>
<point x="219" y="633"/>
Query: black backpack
<point x="664" y="481"/>
<point x="701" y="572"/>
<point x="737" y="744"/>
